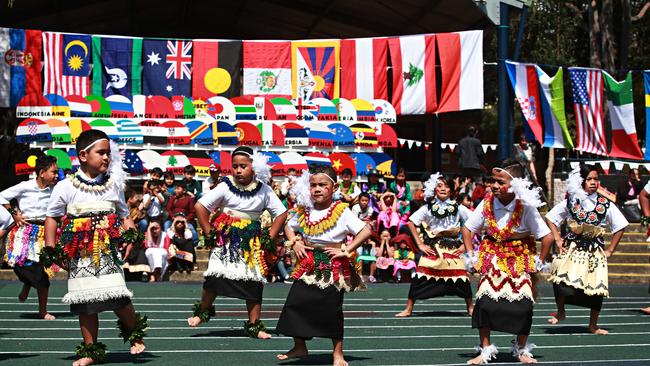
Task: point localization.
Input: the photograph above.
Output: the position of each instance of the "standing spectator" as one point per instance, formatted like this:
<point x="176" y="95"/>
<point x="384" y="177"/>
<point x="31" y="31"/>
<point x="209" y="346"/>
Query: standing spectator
<point x="152" y="204"/>
<point x="348" y="191"/>
<point x="627" y="196"/>
<point x="181" y="245"/>
<point x="155" y="173"/>
<point x="193" y="187"/>
<point x="157" y="244"/>
<point x="402" y="192"/>
<point x="181" y="202"/>
<point x="470" y="153"/>
<point x="168" y="178"/>
<point x="525" y="155"/>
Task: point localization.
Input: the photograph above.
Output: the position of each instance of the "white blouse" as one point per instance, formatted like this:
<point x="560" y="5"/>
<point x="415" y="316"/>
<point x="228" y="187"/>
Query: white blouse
<point x="348" y="223"/>
<point x="32" y="200"/>
<point x="424" y="215"/>
<point x="531" y="221"/>
<point x="264" y="199"/>
<point x="614" y="219"/>
<point x="5" y="218"/>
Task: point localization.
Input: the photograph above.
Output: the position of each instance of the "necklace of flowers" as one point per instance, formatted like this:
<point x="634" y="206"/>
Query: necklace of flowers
<point x="593" y="217"/>
<point x="100" y="185"/>
<point x="493" y="230"/>
<point x="242" y="191"/>
<point x="441" y="212"/>
<point x="313" y="228"/>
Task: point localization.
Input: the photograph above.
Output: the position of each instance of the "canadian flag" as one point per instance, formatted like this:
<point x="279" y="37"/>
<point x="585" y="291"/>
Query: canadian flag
<point x="461" y="65"/>
<point x="363" y="68"/>
<point x="414" y="74"/>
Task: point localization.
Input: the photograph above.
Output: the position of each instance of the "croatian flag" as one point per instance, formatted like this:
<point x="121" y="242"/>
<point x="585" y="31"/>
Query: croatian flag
<point x="523" y="78"/>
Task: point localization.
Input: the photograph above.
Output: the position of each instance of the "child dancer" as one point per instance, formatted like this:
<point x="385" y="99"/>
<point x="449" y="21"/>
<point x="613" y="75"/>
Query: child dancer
<point x="237" y="267"/>
<point x="441" y="269"/>
<point x="92" y="201"/>
<point x="314" y="306"/>
<point x="579" y="272"/>
<point x="505" y="259"/>
<point x="25" y="240"/>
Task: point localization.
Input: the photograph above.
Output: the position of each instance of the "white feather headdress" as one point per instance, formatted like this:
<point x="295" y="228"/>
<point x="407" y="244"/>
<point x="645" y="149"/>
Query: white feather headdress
<point x="301" y="190"/>
<point x="261" y="167"/>
<point x="430" y="186"/>
<point x="574" y="185"/>
<point x="526" y="192"/>
<point x="115" y="169"/>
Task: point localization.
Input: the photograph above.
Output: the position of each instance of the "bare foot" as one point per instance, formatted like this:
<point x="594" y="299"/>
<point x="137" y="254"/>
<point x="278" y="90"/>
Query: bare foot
<point x="478" y="360"/>
<point x="339" y="360"/>
<point x="83" y="362"/>
<point x="526" y="359"/>
<point x="470" y="310"/>
<point x="137" y="347"/>
<point x="194" y="321"/>
<point x="293" y="353"/>
<point x="598" y="331"/>
<point x="47" y="316"/>
<point x="263" y="335"/>
<point x="404" y="314"/>
<point x="22" y="296"/>
<point x="556" y="318"/>
<point x="646" y="310"/>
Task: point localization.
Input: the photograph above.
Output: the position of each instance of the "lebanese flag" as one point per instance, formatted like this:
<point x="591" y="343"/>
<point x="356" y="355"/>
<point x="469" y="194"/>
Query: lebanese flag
<point x="363" y="68"/>
<point x="216" y="68"/>
<point x="414" y="74"/>
<point x="461" y="63"/>
<point x="625" y="142"/>
<point x="267" y="68"/>
<point x="525" y="82"/>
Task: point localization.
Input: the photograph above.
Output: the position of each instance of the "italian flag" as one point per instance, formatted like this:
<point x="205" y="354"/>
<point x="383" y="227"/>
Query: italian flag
<point x="621" y="111"/>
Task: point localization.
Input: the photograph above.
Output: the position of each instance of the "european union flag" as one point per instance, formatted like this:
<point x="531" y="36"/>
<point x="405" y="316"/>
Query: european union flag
<point x="167" y="66"/>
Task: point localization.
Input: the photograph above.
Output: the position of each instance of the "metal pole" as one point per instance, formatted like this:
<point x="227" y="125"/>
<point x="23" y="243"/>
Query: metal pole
<point x="520" y="33"/>
<point x="505" y="134"/>
<point x="436" y="144"/>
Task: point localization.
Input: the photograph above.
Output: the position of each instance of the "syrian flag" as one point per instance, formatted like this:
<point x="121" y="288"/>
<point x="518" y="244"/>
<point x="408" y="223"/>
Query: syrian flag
<point x="523" y="78"/>
<point x="267" y="68"/>
<point x="363" y="68"/>
<point x="414" y="74"/>
<point x="621" y="110"/>
<point x="461" y="63"/>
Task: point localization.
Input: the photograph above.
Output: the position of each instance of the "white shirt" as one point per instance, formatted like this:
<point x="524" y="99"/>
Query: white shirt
<point x="423" y="214"/>
<point x="264" y="199"/>
<point x="32" y="200"/>
<point x="356" y="209"/>
<point x="531" y="221"/>
<point x="614" y="219"/>
<point x="155" y="207"/>
<point x="348" y="223"/>
<point x="5" y="218"/>
<point x="65" y="193"/>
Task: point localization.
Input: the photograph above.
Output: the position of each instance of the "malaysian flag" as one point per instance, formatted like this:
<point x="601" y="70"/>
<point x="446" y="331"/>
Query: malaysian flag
<point x="66" y="66"/>
<point x="587" y="89"/>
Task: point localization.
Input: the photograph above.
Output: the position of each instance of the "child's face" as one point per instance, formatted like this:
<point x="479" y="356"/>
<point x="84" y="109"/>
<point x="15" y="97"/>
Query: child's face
<point x="155" y="176"/>
<point x="321" y="189"/>
<point x="389" y="199"/>
<point x="364" y="202"/>
<point x="467" y="202"/>
<point x="442" y="191"/>
<point x="242" y="168"/>
<point x="400" y="177"/>
<point x="50" y="175"/>
<point x="385" y="234"/>
<point x="179" y="191"/>
<point x="402" y="245"/>
<point x="179" y="225"/>
<point x="154" y="229"/>
<point x="189" y="176"/>
<point x="169" y="181"/>
<point x="592" y="182"/>
<point x="347" y="178"/>
<point x="97" y="158"/>
<point x="501" y="184"/>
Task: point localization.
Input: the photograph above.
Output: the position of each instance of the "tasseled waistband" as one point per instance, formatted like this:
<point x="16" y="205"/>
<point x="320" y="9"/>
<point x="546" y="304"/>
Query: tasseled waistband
<point x="90" y="236"/>
<point x="514" y="257"/>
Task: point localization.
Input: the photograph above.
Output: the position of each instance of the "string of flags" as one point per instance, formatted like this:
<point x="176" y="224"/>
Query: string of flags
<point x="445" y="145"/>
<point x="618" y="165"/>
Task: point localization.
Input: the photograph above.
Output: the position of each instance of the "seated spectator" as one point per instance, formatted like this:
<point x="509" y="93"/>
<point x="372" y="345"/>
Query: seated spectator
<point x="133" y="201"/>
<point x="367" y="255"/>
<point x="192" y="186"/>
<point x="402" y="192"/>
<point x="384" y="255"/>
<point x="135" y="260"/>
<point x="169" y="183"/>
<point x="404" y="256"/>
<point x="388" y="217"/>
<point x="157" y="252"/>
<point x="181" y="245"/>
<point x="282" y="265"/>
<point x="348" y="191"/>
<point x="481" y="188"/>
<point x="155" y="174"/>
<point x="181" y="202"/>
<point x="374" y="188"/>
<point x="362" y="209"/>
<point x="152" y="205"/>
<point x="629" y="189"/>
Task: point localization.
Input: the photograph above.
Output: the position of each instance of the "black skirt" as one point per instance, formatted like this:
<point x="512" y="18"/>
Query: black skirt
<point x="423" y="288"/>
<point x="245" y="290"/>
<point x="577" y="297"/>
<point x="99" y="306"/>
<point x="33" y="275"/>
<point x="312" y="312"/>
<point x="514" y="317"/>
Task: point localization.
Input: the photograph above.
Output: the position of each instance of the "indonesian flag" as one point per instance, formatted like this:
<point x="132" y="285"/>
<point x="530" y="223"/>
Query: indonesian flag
<point x="414" y="74"/>
<point x="523" y="78"/>
<point x="461" y="63"/>
<point x="363" y="68"/>
<point x="621" y="110"/>
<point x="267" y="68"/>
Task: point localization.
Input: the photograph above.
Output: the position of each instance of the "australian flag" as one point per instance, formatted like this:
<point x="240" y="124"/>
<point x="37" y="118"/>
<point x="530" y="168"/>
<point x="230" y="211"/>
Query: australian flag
<point x="167" y="67"/>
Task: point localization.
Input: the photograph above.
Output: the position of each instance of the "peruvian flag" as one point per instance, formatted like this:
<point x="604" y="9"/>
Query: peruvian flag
<point x="363" y="68"/>
<point x="414" y="74"/>
<point x="267" y="68"/>
<point x="625" y="143"/>
<point x="523" y="78"/>
<point x="461" y="63"/>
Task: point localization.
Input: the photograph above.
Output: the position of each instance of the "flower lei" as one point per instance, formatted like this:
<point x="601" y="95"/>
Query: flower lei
<point x="91" y="237"/>
<point x="313" y="228"/>
<point x="593" y="217"/>
<point x="493" y="230"/>
<point x="243" y="237"/>
<point x="513" y="257"/>
<point x="441" y="212"/>
<point x="239" y="190"/>
<point x="100" y="185"/>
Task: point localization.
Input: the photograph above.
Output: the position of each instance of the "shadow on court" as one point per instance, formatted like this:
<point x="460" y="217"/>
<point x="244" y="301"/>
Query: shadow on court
<point x="320" y="359"/>
<point x="440" y="314"/>
<point x="15" y="356"/>
<point x="569" y="330"/>
<point x="123" y="358"/>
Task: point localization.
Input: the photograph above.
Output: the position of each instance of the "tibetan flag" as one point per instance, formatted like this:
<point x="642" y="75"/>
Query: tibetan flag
<point x="363" y="68"/>
<point x="267" y="68"/>
<point x="20" y="65"/>
<point x="66" y="64"/>
<point x="556" y="134"/>
<point x="461" y="63"/>
<point x="523" y="78"/>
<point x="646" y="84"/>
<point x="414" y="74"/>
<point x="587" y="89"/>
<point x="117" y="66"/>
<point x="315" y="69"/>
<point x="167" y="67"/>
<point x="625" y="142"/>
<point x="216" y="68"/>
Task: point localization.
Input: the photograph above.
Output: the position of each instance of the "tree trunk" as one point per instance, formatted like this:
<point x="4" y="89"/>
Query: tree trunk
<point x="607" y="41"/>
<point x="594" y="34"/>
<point x="624" y="43"/>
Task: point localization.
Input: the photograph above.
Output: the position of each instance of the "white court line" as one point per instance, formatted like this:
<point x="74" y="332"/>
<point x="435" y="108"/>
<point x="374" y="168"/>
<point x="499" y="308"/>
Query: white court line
<point x="277" y="311"/>
<point x="346" y="327"/>
<point x="370" y="305"/>
<point x="347" y="298"/>
<point x="538" y="362"/>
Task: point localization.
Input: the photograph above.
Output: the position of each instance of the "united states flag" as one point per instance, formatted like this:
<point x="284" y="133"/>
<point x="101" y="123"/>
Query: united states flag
<point x="66" y="66"/>
<point x="587" y="89"/>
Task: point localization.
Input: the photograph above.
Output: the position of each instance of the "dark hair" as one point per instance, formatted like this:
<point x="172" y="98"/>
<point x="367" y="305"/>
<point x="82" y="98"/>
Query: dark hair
<point x="364" y="194"/>
<point x="449" y="181"/>
<point x="154" y="183"/>
<point x="512" y="166"/>
<point x="67" y="171"/>
<point x="347" y="171"/>
<point x="488" y="179"/>
<point x="291" y="170"/>
<point x="44" y="162"/>
<point x="189" y="169"/>
<point x="156" y="170"/>
<point x="461" y="197"/>
<point x="88" y="137"/>
<point x="181" y="184"/>
<point x="585" y="169"/>
<point x="128" y="193"/>
<point x="168" y="174"/>
<point x="323" y="169"/>
<point x="401" y="170"/>
<point x="243" y="150"/>
<point x="471" y="131"/>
